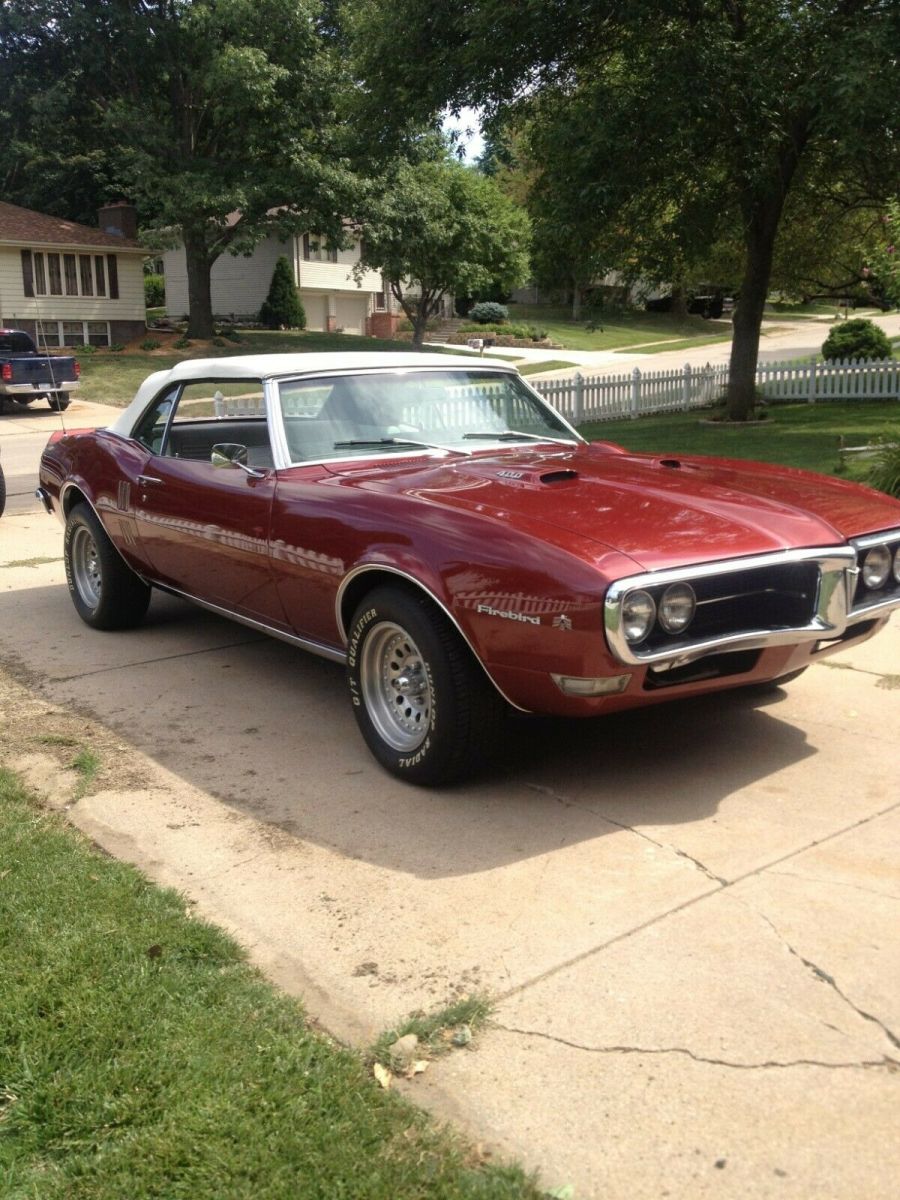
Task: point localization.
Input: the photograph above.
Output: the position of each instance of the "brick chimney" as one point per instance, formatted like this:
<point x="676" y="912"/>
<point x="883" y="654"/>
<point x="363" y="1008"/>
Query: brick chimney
<point x="119" y="219"/>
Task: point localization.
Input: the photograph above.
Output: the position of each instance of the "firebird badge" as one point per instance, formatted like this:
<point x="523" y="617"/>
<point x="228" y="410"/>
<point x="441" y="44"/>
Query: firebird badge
<point x="508" y="615"/>
<point x="562" y="622"/>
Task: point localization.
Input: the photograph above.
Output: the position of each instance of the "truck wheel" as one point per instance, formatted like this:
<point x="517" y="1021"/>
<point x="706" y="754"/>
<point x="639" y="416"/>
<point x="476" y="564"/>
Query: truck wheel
<point x="106" y="593"/>
<point x="59" y="402"/>
<point x="2" y="492"/>
<point x="423" y="704"/>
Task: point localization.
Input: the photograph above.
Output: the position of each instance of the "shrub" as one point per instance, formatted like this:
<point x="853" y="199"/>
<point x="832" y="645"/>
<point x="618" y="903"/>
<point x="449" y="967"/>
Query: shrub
<point x="856" y="339"/>
<point x="282" y="308"/>
<point x="151" y="344"/>
<point x="884" y="472"/>
<point x="86" y="349"/>
<point x="154" y="291"/>
<point x="181" y="343"/>
<point x="232" y="335"/>
<point x="117" y="348"/>
<point x="488" y="312"/>
<point x="219" y="341"/>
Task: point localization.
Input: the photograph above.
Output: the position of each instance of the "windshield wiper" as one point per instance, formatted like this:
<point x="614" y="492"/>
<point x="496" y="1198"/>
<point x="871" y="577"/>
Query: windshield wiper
<point x="395" y="441"/>
<point x="515" y="435"/>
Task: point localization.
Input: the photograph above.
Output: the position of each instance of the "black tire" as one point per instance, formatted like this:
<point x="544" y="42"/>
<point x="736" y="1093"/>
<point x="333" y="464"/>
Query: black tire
<point x="59" y="402"/>
<point x="2" y="491"/>
<point x="423" y="704"/>
<point x="106" y="593"/>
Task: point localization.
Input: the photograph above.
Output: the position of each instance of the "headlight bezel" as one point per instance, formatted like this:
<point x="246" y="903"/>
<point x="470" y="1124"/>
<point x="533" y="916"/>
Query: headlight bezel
<point x="651" y="609"/>
<point x="876" y="580"/>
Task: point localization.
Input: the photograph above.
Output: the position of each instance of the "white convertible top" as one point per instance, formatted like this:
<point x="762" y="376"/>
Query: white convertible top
<point x="267" y="366"/>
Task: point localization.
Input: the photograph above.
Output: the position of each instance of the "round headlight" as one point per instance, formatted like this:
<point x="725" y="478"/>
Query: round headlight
<point x="897" y="564"/>
<point x="676" y="607"/>
<point x="638" y="615"/>
<point x="876" y="567"/>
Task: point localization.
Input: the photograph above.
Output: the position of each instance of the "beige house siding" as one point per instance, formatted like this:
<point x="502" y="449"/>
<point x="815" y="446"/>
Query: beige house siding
<point x="330" y="295"/>
<point x="16" y="308"/>
<point x="238" y="283"/>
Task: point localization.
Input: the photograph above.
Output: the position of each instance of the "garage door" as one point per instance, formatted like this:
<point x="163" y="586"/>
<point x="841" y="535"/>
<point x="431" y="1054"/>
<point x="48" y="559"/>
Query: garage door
<point x="350" y="313"/>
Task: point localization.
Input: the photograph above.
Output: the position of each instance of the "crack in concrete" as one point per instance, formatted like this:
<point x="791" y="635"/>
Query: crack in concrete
<point x="727" y="885"/>
<point x="824" y="977"/>
<point x="857" y="887"/>
<point x="885" y="1063"/>
<point x="535" y="787"/>
<point x="149" y="662"/>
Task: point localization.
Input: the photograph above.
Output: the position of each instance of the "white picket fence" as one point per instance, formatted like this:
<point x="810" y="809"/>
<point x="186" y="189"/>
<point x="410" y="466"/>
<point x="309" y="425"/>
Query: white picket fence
<point x="638" y="393"/>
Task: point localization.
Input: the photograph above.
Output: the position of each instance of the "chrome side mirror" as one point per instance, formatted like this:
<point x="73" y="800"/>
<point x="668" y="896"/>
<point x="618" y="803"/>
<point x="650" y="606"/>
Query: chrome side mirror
<point x="233" y="454"/>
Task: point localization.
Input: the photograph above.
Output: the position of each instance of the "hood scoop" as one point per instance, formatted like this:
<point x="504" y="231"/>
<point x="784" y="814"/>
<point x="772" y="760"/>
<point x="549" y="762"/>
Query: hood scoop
<point x="561" y="476"/>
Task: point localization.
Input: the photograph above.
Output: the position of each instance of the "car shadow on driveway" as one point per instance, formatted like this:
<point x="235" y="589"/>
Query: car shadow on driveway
<point x="268" y="729"/>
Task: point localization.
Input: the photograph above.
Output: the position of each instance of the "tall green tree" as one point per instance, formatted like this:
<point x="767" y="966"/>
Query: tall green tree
<point x="737" y="93"/>
<point x="219" y="117"/>
<point x="436" y="227"/>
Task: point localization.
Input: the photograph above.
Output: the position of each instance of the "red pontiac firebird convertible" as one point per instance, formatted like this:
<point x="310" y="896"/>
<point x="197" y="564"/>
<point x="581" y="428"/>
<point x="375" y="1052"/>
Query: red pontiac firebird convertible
<point x="433" y="524"/>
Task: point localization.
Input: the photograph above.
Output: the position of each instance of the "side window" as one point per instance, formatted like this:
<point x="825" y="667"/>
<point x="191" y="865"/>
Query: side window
<point x="188" y="420"/>
<point x="152" y="427"/>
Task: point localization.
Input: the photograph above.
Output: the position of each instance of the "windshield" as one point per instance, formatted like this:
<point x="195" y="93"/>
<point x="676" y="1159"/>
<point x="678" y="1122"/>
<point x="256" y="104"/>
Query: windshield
<point x="393" y="412"/>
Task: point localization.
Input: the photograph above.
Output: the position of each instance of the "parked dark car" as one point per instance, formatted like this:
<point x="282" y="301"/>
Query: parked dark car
<point x="709" y="305"/>
<point x="26" y="375"/>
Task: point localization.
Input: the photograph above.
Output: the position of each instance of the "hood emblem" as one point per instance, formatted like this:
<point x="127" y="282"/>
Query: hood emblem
<point x="562" y="622"/>
<point x="511" y="474"/>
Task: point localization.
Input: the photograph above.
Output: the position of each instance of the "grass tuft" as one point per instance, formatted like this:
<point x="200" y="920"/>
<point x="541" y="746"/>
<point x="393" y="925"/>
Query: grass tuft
<point x="439" y="1031"/>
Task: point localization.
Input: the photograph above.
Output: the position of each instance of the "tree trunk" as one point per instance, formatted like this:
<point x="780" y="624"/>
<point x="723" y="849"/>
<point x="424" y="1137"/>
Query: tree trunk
<point x="679" y="302"/>
<point x="576" y="301"/>
<point x="200" y="318"/>
<point x="759" y="243"/>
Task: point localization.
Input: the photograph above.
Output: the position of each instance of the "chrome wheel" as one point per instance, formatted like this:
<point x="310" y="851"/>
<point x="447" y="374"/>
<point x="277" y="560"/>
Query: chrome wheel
<point x="396" y="689"/>
<point x="86" y="569"/>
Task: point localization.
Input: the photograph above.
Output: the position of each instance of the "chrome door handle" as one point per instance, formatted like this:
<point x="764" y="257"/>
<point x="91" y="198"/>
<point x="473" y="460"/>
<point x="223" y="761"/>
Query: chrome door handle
<point x="143" y="480"/>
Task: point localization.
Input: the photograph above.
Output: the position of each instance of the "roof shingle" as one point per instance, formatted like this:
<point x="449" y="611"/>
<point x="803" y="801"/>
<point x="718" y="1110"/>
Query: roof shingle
<point x="24" y="225"/>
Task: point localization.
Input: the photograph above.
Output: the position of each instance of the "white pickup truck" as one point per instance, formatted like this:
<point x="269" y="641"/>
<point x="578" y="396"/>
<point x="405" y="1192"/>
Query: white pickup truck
<point x="26" y="375"/>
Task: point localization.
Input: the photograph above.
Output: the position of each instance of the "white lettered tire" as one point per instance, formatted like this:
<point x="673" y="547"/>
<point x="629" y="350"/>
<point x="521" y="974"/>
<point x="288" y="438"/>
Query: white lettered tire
<point x="423" y="704"/>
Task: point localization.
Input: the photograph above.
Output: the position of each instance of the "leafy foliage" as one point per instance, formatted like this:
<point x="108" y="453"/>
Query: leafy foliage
<point x="487" y="312"/>
<point x="436" y="227"/>
<point x="884" y="473"/>
<point x="856" y="339"/>
<point x="666" y="127"/>
<point x="282" y="308"/>
<point x="219" y="120"/>
<point x="154" y="291"/>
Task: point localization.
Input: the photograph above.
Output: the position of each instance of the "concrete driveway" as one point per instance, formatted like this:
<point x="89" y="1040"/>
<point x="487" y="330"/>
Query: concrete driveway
<point x="688" y="916"/>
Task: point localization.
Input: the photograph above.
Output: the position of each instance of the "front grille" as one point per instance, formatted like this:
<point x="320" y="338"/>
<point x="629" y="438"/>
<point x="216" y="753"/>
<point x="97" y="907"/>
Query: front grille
<point x="780" y="596"/>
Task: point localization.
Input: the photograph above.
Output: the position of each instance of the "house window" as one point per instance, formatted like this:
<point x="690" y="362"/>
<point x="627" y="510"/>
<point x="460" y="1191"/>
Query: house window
<point x="55" y="276"/>
<point x="40" y="275"/>
<point x="73" y="333"/>
<point x="97" y="333"/>
<point x="314" y="250"/>
<point x="87" y="279"/>
<point x="112" y="270"/>
<point x="71" y="275"/>
<point x="100" y="274"/>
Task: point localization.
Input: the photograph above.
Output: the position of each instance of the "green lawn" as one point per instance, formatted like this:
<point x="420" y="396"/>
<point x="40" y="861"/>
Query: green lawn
<point x="797" y="435"/>
<point x="620" y="330"/>
<point x="141" y="1057"/>
<point x="113" y="378"/>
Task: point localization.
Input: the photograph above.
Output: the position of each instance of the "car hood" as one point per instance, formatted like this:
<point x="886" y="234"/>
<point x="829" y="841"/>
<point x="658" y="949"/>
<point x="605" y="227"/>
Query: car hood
<point x="660" y="511"/>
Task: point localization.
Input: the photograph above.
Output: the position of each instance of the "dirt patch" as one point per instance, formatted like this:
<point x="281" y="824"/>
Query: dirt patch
<point x="41" y="742"/>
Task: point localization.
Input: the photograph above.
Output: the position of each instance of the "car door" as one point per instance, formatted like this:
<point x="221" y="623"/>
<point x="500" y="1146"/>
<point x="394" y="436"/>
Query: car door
<point x="204" y="529"/>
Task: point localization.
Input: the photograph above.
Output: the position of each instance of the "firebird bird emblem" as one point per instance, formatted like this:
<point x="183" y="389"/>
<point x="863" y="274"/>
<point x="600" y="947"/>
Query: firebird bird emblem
<point x="562" y="622"/>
